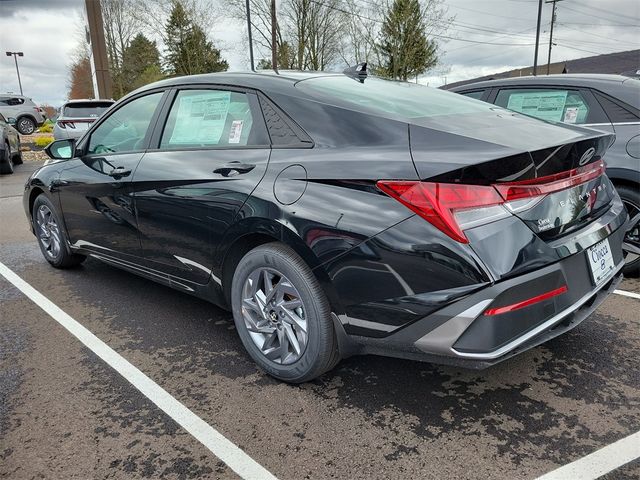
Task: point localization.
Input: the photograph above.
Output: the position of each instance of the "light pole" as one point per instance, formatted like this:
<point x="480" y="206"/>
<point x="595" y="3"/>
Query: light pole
<point x="535" y="55"/>
<point x="250" y="39"/>
<point x="15" y="58"/>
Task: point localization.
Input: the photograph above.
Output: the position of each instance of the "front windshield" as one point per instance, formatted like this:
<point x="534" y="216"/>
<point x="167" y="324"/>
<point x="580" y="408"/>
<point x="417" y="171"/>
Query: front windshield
<point x="399" y="99"/>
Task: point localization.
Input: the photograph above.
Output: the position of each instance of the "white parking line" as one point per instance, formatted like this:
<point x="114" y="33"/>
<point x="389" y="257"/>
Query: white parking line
<point x="221" y="447"/>
<point x="627" y="294"/>
<point x="599" y="462"/>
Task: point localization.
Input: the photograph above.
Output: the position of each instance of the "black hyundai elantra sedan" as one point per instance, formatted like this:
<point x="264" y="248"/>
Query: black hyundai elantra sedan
<point x="340" y="214"/>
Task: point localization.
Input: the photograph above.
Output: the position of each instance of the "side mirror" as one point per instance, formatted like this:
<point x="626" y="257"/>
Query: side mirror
<point x="61" y="149"/>
<point x="11" y="121"/>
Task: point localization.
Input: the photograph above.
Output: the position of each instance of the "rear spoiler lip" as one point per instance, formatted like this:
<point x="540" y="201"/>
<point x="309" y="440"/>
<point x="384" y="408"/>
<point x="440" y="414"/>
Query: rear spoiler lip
<point x="76" y="120"/>
<point x="449" y="153"/>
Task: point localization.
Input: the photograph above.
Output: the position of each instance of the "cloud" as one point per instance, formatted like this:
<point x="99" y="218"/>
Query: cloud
<point x="582" y="29"/>
<point x="47" y="37"/>
<point x="9" y="8"/>
<point x="491" y="36"/>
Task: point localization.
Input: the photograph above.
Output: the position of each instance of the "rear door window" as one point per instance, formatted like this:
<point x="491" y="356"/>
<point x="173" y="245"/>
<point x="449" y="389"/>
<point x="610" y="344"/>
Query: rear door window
<point x="208" y="118"/>
<point x="554" y="105"/>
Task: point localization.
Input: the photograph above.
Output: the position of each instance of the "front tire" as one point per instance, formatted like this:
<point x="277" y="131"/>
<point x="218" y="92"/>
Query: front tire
<point x="282" y="314"/>
<point x="51" y="236"/>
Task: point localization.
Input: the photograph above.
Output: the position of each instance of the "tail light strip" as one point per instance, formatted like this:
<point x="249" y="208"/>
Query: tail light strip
<point x="453" y="207"/>
<point x="71" y="123"/>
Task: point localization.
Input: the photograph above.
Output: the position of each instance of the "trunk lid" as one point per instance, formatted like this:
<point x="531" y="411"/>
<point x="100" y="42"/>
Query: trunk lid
<point x="514" y="153"/>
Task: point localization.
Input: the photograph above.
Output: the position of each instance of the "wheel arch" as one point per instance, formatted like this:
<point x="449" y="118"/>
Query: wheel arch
<point x="27" y="115"/>
<point x="251" y="233"/>
<point x="624" y="176"/>
<point x="33" y="194"/>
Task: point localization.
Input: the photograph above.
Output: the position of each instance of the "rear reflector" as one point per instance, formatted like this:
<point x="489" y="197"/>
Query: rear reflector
<point x="526" y="303"/>
<point x="452" y="207"/>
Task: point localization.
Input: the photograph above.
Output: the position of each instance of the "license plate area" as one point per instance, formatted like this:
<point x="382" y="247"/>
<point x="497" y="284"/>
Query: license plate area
<point x="601" y="262"/>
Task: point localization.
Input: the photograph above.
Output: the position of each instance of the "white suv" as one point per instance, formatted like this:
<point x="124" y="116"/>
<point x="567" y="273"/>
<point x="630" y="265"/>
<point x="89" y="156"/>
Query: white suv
<point x="27" y="114"/>
<point x="76" y="116"/>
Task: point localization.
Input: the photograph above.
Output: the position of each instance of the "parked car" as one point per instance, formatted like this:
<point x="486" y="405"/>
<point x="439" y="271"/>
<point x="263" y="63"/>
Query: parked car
<point x="10" y="153"/>
<point x="77" y="115"/>
<point x="340" y="214"/>
<point x="27" y="114"/>
<point x="606" y="102"/>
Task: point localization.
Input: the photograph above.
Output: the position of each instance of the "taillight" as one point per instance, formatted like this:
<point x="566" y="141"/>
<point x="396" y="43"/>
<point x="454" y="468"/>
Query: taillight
<point x="440" y="203"/>
<point x="453" y="208"/>
<point x="549" y="184"/>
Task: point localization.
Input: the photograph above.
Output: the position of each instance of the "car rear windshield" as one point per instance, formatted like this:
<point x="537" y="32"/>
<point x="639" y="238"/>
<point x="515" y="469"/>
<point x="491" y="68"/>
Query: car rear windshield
<point x="85" y="109"/>
<point x="398" y="99"/>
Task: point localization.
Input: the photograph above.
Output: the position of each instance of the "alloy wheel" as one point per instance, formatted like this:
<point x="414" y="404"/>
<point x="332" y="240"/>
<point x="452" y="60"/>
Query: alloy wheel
<point x="26" y="126"/>
<point x="48" y="232"/>
<point x="274" y="315"/>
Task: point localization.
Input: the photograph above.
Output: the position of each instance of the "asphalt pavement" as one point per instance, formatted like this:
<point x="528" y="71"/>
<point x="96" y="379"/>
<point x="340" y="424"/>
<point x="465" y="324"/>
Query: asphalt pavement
<point x="66" y="414"/>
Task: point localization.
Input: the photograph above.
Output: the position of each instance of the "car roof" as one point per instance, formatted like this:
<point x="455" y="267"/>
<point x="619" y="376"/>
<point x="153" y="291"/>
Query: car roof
<point x="618" y="86"/>
<point x="266" y="80"/>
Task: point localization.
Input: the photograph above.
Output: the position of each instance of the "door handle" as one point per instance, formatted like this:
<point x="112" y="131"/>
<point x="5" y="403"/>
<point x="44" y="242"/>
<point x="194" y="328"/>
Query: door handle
<point x="228" y="169"/>
<point x="119" y="172"/>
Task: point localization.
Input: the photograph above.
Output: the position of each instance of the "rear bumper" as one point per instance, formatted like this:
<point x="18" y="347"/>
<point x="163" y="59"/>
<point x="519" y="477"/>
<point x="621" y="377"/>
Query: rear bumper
<point x="460" y="334"/>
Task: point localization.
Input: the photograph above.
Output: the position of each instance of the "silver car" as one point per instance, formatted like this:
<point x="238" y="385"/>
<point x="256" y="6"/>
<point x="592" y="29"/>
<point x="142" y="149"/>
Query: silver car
<point x="10" y="153"/>
<point x="27" y="114"/>
<point x="76" y="116"/>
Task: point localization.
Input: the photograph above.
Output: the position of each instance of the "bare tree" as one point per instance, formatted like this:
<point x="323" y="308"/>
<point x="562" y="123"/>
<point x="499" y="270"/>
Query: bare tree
<point x="325" y="31"/>
<point x="120" y="27"/>
<point x="361" y="27"/>
<point x="261" y="28"/>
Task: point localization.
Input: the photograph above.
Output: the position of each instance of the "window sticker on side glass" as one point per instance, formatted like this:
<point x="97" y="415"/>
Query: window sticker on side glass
<point x="236" y="131"/>
<point x="201" y="118"/>
<point x="544" y="105"/>
<point x="570" y="115"/>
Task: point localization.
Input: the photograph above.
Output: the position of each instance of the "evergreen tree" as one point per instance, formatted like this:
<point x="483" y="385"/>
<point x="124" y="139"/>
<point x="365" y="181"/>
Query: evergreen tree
<point x="140" y="63"/>
<point x="403" y="47"/>
<point x="188" y="49"/>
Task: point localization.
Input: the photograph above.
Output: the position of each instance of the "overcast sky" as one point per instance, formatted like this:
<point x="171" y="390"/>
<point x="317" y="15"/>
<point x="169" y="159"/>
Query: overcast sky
<point x="490" y="36"/>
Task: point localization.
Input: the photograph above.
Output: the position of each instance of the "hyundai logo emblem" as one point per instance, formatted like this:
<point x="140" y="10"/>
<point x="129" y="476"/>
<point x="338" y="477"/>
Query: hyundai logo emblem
<point x="586" y="156"/>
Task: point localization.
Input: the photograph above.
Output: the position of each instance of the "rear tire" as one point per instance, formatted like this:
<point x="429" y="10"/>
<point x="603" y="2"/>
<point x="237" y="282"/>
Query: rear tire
<point x="6" y="162"/>
<point x="291" y="337"/>
<point x="631" y="198"/>
<point x="26" y="125"/>
<point x="51" y="236"/>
